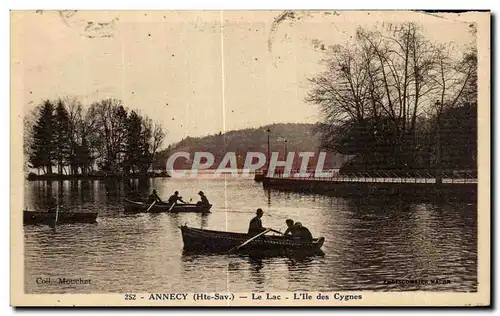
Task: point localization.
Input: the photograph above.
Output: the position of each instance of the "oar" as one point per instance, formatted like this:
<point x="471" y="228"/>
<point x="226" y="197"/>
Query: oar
<point x="57" y="215"/>
<point x="152" y="204"/>
<point x="250" y="240"/>
<point x="172" y="206"/>
<point x="276" y="231"/>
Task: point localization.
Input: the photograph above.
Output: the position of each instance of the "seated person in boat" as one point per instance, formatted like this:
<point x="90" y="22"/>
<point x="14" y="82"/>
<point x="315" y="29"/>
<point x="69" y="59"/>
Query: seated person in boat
<point x="175" y="198"/>
<point x="304" y="233"/>
<point x="297" y="231"/>
<point x="153" y="197"/>
<point x="255" y="226"/>
<point x="204" y="200"/>
<point x="292" y="230"/>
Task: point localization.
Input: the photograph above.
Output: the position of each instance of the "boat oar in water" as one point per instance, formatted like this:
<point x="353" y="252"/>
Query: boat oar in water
<point x="249" y="240"/>
<point x="171" y="206"/>
<point x="152" y="204"/>
<point x="56" y="217"/>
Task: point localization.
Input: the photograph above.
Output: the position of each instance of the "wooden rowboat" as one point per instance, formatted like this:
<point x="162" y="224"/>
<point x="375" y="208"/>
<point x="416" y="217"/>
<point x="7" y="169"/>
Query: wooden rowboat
<point x="139" y="207"/>
<point x="48" y="218"/>
<point x="204" y="240"/>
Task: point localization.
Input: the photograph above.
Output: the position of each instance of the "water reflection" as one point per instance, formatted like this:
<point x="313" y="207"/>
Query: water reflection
<point x="203" y="220"/>
<point x="367" y="241"/>
<point x="257" y="276"/>
<point x="403" y="241"/>
<point x="75" y="192"/>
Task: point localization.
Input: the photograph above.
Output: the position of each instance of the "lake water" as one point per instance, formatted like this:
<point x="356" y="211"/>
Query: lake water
<point x="368" y="242"/>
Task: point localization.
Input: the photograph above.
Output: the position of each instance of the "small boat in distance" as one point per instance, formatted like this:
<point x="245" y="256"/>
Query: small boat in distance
<point x="211" y="241"/>
<point x="65" y="217"/>
<point x="140" y="207"/>
<point x="260" y="175"/>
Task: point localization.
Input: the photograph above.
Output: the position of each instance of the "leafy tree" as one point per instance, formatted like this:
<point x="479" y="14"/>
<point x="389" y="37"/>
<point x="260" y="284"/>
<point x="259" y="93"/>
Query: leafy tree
<point x="62" y="137"/>
<point x="104" y="135"/>
<point x="459" y="135"/>
<point x="133" y="146"/>
<point x="43" y="149"/>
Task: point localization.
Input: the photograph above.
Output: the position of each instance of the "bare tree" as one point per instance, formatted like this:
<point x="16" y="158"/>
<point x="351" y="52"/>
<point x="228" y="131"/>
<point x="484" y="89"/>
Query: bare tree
<point x="342" y="90"/>
<point x="152" y="138"/>
<point x="377" y="88"/>
<point x="456" y="82"/>
<point x="103" y="135"/>
<point x="158" y="137"/>
<point x="110" y="116"/>
<point x="29" y="121"/>
<point x="402" y="61"/>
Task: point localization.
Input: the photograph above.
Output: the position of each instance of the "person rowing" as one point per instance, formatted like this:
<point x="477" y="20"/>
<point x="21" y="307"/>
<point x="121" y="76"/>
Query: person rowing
<point x="175" y="198"/>
<point x="153" y="197"/>
<point x="255" y="227"/>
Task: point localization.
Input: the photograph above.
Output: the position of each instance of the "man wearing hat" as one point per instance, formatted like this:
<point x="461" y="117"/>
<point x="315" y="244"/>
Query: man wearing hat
<point x="204" y="200"/>
<point x="255" y="226"/>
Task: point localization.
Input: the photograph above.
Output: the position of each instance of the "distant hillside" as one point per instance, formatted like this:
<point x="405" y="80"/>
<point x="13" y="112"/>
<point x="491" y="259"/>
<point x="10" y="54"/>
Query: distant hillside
<point x="299" y="137"/>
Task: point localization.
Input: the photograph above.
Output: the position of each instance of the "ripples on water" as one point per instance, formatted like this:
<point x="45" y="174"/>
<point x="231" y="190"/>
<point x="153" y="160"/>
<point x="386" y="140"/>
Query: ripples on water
<point x="367" y="242"/>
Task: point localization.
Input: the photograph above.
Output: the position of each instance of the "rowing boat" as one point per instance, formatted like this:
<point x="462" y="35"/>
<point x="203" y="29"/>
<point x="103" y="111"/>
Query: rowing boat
<point x="219" y="241"/>
<point x="48" y="218"/>
<point x="139" y="207"/>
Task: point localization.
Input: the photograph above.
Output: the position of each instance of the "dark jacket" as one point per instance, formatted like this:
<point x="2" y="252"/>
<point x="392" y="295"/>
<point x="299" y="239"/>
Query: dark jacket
<point x="154" y="197"/>
<point x="204" y="200"/>
<point x="305" y="234"/>
<point x="174" y="199"/>
<point x="255" y="226"/>
<point x="293" y="231"/>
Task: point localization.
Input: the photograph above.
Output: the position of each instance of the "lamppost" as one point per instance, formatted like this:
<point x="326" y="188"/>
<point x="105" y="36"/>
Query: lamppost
<point x="286" y="142"/>
<point x="268" y="148"/>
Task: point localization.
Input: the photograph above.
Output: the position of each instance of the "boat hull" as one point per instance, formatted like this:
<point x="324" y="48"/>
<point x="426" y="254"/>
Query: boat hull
<point x="48" y="218"/>
<point x="141" y="207"/>
<point x="210" y="241"/>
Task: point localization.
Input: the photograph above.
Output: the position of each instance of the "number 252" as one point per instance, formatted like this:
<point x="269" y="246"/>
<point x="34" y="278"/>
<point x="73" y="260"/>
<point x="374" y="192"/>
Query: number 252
<point x="130" y="297"/>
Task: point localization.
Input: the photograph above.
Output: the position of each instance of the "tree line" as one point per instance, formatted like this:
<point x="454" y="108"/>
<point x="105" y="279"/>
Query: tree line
<point x="395" y="100"/>
<point x="103" y="138"/>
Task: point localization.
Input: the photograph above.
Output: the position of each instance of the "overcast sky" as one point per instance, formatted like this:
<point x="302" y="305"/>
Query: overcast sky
<point x="178" y="69"/>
